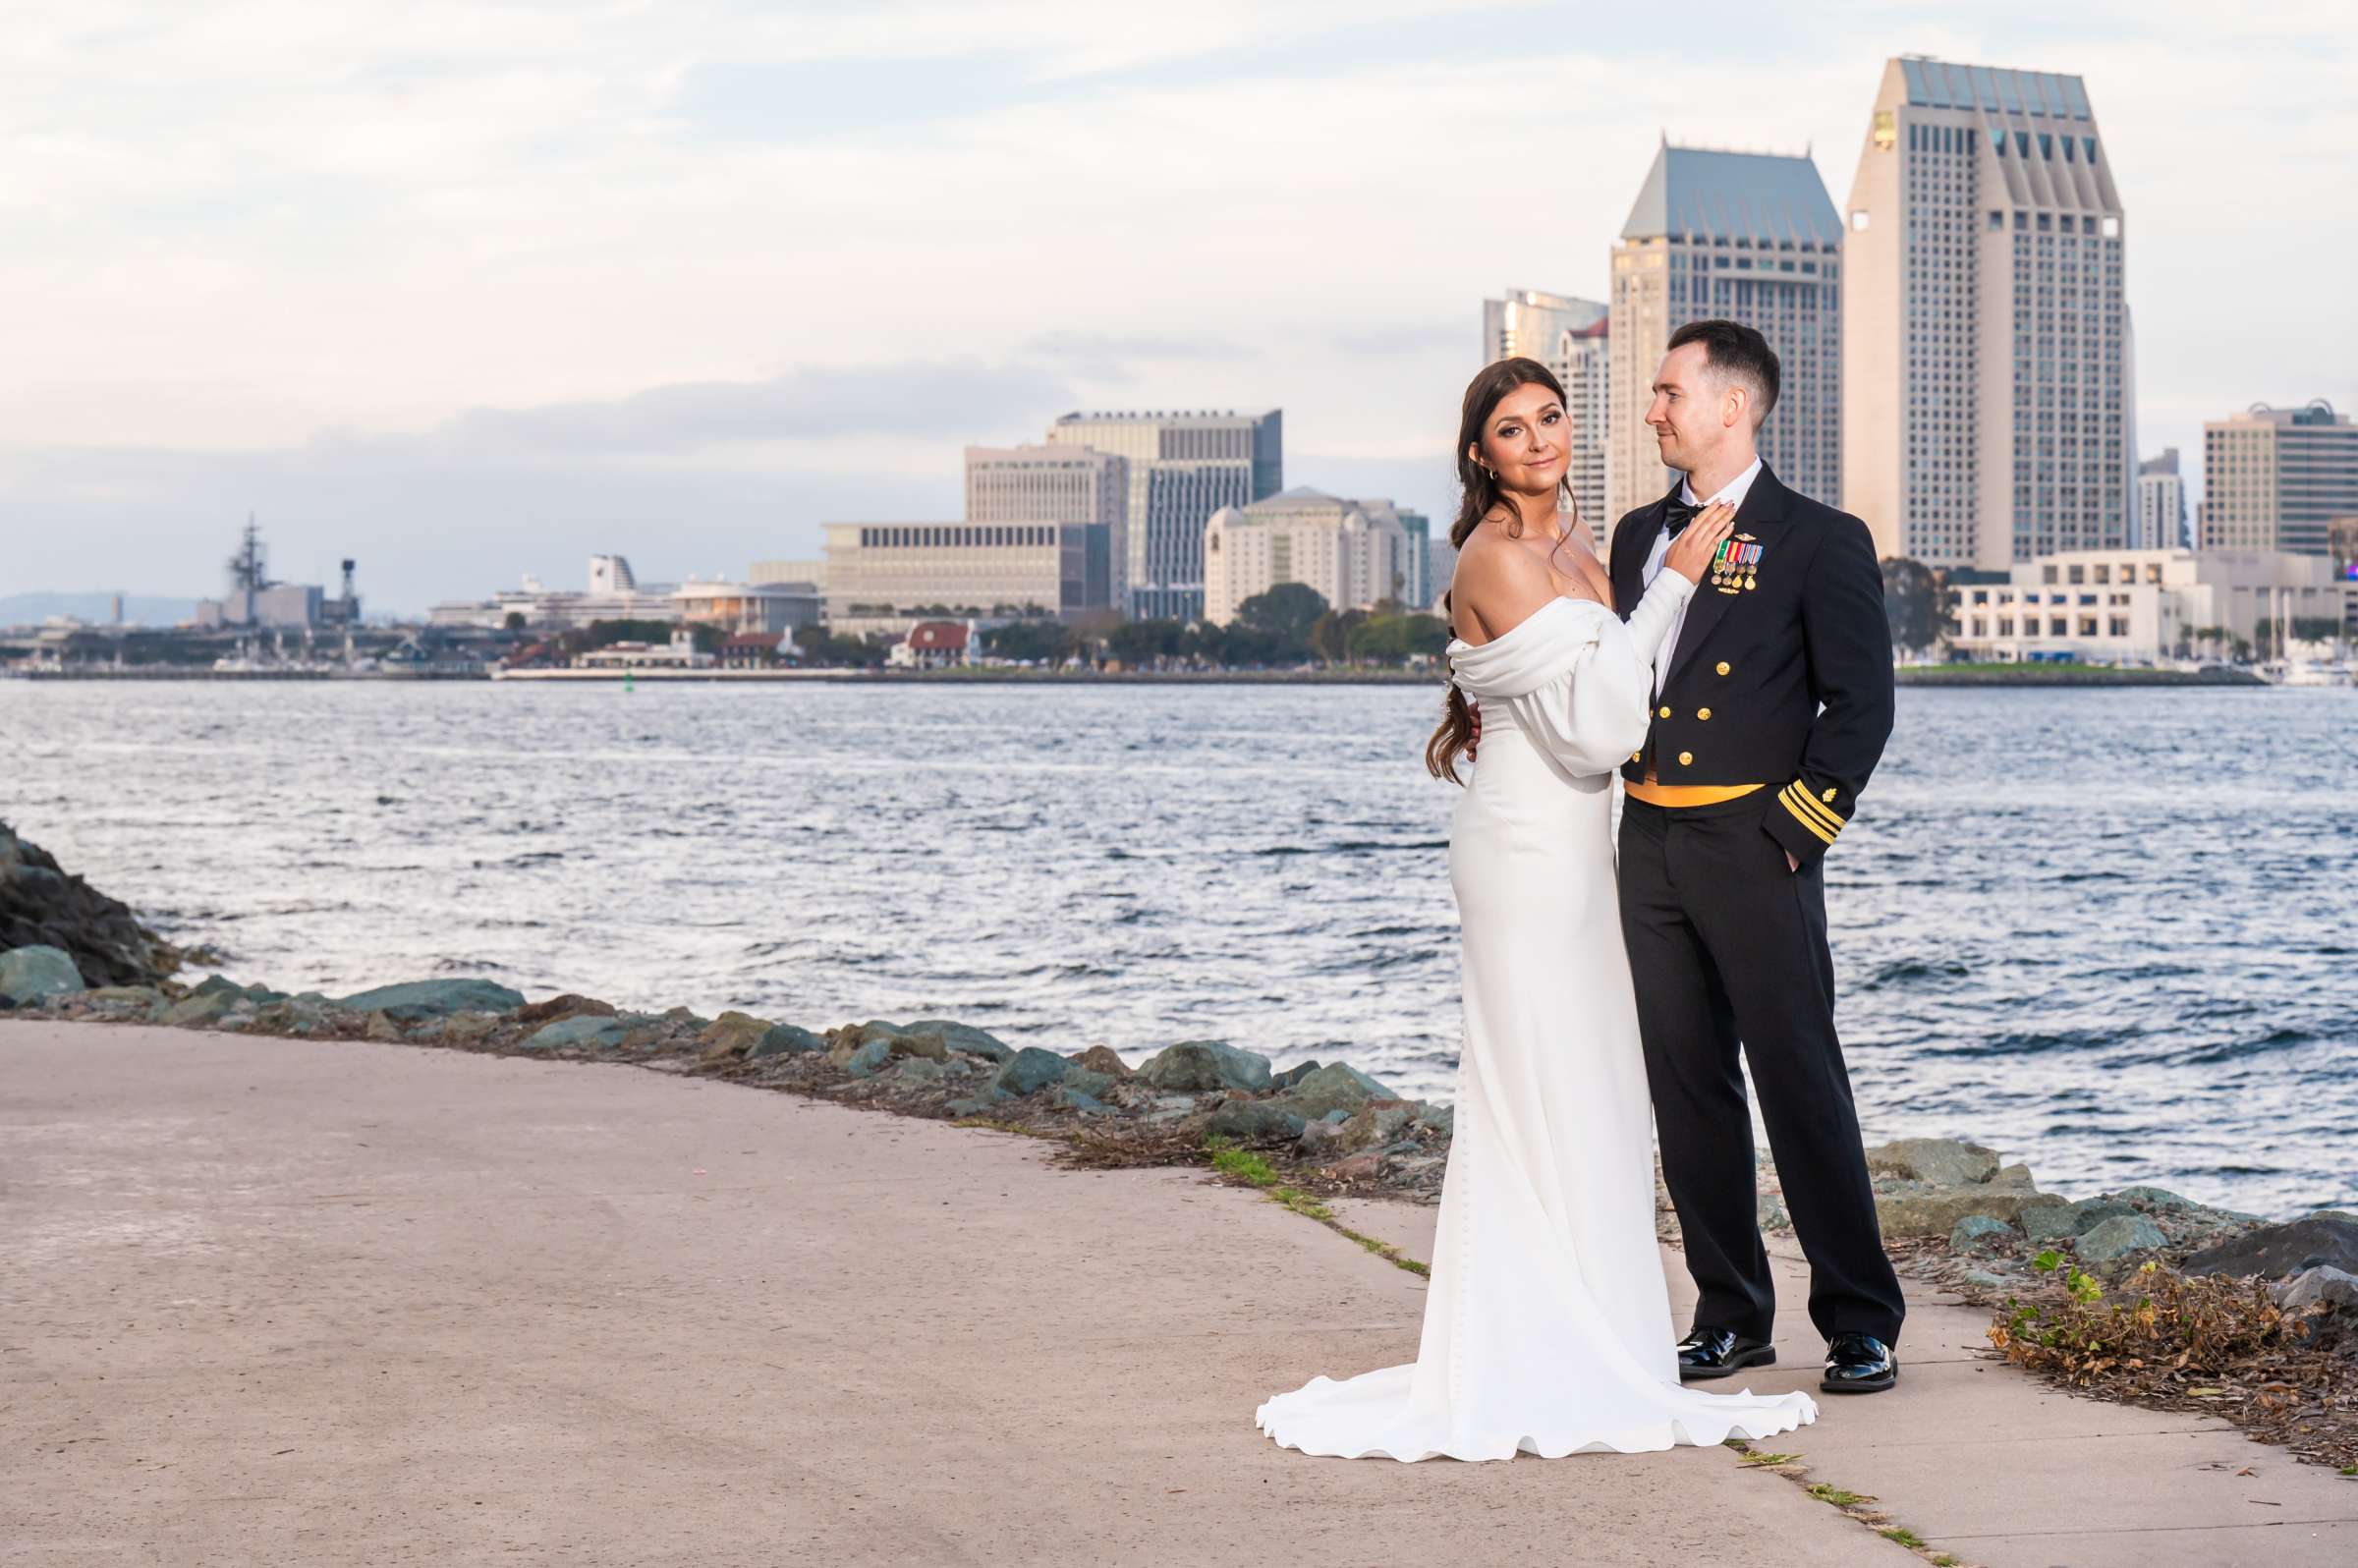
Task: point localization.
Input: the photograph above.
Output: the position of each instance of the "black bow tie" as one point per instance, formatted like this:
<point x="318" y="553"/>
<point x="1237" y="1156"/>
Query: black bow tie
<point x="1676" y="515"/>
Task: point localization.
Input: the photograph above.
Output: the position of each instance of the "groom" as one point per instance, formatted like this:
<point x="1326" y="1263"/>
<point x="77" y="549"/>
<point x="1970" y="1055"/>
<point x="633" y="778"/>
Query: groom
<point x="1772" y="702"/>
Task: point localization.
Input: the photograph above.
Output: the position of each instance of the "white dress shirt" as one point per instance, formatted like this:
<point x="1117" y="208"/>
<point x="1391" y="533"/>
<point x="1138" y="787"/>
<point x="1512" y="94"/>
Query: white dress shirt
<point x="1734" y="490"/>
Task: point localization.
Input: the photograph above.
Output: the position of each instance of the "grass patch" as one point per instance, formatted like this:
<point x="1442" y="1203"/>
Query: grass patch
<point x="1837" y="1496"/>
<point x="1769" y="1459"/>
<point x="1242" y="1164"/>
<point x="1904" y="1536"/>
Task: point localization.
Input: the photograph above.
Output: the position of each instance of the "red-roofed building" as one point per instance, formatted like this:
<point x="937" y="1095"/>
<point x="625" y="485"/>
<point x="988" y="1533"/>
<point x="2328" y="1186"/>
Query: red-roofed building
<point x="755" y="650"/>
<point x="934" y="645"/>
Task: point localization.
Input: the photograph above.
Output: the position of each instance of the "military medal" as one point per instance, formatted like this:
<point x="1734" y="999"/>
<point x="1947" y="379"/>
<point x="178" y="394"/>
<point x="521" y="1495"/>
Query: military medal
<point x="1732" y="569"/>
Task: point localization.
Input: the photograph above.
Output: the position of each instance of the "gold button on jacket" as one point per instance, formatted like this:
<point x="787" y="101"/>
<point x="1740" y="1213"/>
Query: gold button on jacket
<point x="1684" y="757"/>
<point x="1702" y="713"/>
<point x="1723" y="667"/>
<point x="1665" y="713"/>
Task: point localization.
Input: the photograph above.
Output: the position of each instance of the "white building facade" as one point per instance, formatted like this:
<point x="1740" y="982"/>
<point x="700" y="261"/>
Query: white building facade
<point x="2142" y="606"/>
<point x="885" y="577"/>
<point x="2161" y="505"/>
<point x="1989" y="402"/>
<point x="1054" y="485"/>
<point x="1353" y="553"/>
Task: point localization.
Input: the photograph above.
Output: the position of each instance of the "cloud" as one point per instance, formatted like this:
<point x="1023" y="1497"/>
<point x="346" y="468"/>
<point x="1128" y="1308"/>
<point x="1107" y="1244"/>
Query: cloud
<point x="912" y="400"/>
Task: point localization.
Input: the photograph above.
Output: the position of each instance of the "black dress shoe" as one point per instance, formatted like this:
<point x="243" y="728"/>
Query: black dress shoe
<point x="1717" y="1352"/>
<point x="1859" y="1363"/>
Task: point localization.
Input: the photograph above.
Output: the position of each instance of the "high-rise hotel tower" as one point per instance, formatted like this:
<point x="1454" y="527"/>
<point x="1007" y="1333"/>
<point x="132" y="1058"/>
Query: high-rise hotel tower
<point x="1752" y="238"/>
<point x="1990" y="411"/>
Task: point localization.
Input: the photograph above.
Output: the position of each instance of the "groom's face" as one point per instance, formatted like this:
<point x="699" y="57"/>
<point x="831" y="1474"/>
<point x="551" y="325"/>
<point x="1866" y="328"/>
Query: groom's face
<point x="1689" y="414"/>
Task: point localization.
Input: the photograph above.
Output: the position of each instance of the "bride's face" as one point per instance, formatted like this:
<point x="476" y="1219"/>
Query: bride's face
<point x="1525" y="441"/>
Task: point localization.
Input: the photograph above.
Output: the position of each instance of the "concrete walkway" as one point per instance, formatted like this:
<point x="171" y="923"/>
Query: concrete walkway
<point x="273" y="1300"/>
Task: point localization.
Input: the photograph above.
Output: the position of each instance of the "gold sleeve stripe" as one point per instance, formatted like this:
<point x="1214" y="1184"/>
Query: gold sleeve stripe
<point x="1810" y="815"/>
<point x="1804" y="798"/>
<point x="1804" y="820"/>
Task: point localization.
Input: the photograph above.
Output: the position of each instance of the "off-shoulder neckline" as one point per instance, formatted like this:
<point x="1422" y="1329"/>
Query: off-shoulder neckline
<point x="1560" y="599"/>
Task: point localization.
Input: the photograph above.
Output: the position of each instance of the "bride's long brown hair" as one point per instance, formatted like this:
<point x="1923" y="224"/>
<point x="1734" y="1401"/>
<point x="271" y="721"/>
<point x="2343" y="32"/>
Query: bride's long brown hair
<point x="1478" y="494"/>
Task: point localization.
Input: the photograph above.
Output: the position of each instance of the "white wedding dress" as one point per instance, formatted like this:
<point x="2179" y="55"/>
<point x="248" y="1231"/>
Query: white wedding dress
<point x="1547" y="1320"/>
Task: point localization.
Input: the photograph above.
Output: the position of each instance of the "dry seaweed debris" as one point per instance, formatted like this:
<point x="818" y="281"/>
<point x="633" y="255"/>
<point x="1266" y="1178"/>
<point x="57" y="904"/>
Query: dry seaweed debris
<point x="2170" y="1341"/>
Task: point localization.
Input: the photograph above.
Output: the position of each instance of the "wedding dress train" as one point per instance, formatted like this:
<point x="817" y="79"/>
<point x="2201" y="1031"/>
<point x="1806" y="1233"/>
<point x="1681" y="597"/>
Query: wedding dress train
<point x="1548" y="1324"/>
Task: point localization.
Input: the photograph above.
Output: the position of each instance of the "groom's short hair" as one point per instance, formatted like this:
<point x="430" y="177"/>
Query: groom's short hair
<point x="1737" y="353"/>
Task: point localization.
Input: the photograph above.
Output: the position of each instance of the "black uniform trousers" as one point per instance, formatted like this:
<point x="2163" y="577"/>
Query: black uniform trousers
<point x="1727" y="944"/>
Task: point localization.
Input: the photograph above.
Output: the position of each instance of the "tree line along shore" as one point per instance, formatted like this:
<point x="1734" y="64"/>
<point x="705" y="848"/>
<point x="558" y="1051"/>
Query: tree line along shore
<point x="2139" y="1294"/>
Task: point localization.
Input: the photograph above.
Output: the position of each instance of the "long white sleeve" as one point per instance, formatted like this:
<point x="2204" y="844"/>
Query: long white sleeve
<point x="1657" y="612"/>
<point x="1573" y="678"/>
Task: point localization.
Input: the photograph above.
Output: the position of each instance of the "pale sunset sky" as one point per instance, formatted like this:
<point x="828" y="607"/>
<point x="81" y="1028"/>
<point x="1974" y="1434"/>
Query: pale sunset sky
<point x="472" y="290"/>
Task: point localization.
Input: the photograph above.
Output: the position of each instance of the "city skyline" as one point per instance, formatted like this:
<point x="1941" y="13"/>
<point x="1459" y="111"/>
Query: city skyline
<point x="336" y="286"/>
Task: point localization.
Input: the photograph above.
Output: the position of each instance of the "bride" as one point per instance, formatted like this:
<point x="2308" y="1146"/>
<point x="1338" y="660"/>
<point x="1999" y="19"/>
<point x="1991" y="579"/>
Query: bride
<point x="1546" y="1320"/>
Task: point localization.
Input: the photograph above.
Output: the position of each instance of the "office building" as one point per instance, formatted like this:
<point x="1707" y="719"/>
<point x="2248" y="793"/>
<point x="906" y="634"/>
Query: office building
<point x="1571" y="337"/>
<point x="1352" y="553"/>
<point x="1183" y="467"/>
<point x="2277" y="478"/>
<point x="1531" y="323"/>
<point x="1990" y="406"/>
<point x="1747" y="236"/>
<point x="810" y="573"/>
<point x="1441" y="567"/>
<point x="2132" y="606"/>
<point x="2161" y="505"/>
<point x="1417" y="528"/>
<point x="885" y="577"/>
<point x="1053" y="484"/>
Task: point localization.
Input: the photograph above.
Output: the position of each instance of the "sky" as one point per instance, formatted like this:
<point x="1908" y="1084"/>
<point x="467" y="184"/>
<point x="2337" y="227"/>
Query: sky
<point x="467" y="291"/>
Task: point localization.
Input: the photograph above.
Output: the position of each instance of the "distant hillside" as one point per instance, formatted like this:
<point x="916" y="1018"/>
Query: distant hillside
<point x="31" y="609"/>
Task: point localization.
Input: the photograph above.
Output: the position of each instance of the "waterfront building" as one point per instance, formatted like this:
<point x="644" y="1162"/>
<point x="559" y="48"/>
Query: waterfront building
<point x="1747" y="236"/>
<point x="747" y="606"/>
<point x="1353" y="553"/>
<point x="885" y="577"/>
<point x="1182" y="468"/>
<point x="1049" y="483"/>
<point x="808" y="572"/>
<point x="2277" y="478"/>
<point x="1990" y="406"/>
<point x="2161" y="505"/>
<point x="1441" y="567"/>
<point x="934" y="645"/>
<point x="1417" y="556"/>
<point x="2131" y="607"/>
<point x="755" y="650"/>
<point x="679" y="653"/>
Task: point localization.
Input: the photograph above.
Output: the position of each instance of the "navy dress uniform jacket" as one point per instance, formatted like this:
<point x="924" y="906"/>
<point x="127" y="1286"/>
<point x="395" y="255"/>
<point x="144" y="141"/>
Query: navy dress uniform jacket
<point x="1783" y="671"/>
